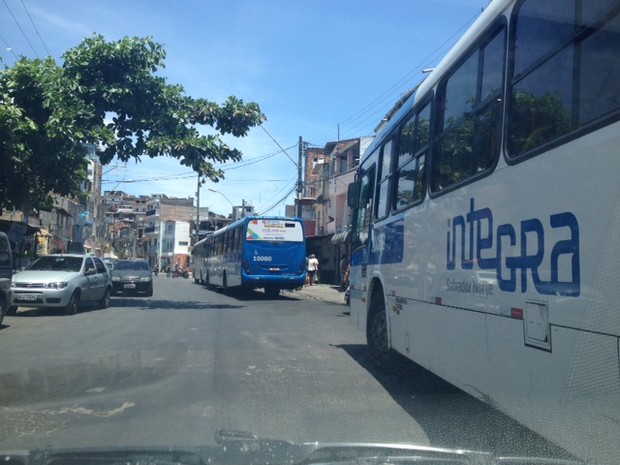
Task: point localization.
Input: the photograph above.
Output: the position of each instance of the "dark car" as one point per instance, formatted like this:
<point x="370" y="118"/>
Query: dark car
<point x="132" y="277"/>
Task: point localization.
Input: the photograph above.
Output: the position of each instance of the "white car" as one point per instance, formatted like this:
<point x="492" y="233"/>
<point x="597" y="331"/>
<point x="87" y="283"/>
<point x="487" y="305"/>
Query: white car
<point x="62" y="281"/>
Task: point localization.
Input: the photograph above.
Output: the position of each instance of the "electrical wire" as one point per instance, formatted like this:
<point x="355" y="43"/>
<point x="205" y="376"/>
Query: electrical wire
<point x="278" y="144"/>
<point x="291" y="183"/>
<point x="35" y="28"/>
<point x="8" y="47"/>
<point x="279" y="201"/>
<point x="20" y="28"/>
<point x="381" y="104"/>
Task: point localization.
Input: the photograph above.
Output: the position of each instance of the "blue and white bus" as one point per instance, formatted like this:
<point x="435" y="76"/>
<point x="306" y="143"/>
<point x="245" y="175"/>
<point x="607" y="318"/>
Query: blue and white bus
<point x="486" y="221"/>
<point x="198" y="260"/>
<point x="254" y="252"/>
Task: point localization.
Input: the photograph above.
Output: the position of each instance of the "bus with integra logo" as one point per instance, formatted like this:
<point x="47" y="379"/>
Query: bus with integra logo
<point x="253" y="252"/>
<point x="486" y="222"/>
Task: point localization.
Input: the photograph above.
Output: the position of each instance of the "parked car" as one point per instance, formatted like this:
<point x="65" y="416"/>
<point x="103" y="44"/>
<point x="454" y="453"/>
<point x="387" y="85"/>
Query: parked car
<point x="109" y="263"/>
<point x="62" y="281"/>
<point x="6" y="272"/>
<point x="132" y="277"/>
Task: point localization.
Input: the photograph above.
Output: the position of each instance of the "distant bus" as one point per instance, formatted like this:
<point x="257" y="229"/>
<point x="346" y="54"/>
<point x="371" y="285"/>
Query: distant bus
<point x="254" y="252"/>
<point x="198" y="260"/>
<point x="486" y="222"/>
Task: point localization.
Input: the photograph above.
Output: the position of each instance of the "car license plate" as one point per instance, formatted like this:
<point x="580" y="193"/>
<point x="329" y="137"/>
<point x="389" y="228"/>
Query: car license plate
<point x="27" y="297"/>
<point x="129" y="286"/>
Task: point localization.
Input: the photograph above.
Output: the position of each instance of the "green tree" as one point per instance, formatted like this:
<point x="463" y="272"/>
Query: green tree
<point x="112" y="95"/>
<point x="39" y="150"/>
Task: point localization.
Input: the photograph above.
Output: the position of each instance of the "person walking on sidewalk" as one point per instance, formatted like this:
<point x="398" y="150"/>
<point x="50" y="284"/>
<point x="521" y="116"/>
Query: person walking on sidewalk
<point x="313" y="269"/>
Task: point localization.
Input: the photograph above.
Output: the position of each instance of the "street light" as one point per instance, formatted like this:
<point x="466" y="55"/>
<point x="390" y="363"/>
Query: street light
<point x="235" y="210"/>
<point x="218" y="192"/>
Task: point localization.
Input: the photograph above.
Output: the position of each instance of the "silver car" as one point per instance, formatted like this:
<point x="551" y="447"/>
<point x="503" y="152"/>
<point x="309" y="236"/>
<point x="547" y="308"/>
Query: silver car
<point x="62" y="281"/>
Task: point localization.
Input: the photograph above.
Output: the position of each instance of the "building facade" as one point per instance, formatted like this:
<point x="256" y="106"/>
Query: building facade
<point x="328" y="172"/>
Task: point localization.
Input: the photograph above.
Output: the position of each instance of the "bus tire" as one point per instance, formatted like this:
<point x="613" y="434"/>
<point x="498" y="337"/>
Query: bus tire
<point x="224" y="284"/>
<point x="379" y="352"/>
<point x="272" y="292"/>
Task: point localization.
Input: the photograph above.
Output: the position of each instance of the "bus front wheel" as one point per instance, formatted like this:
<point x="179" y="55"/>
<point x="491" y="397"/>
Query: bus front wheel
<point x="379" y="352"/>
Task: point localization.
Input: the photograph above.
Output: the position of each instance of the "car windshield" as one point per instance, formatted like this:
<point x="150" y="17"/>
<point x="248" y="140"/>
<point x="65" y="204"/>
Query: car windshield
<point x="132" y="265"/>
<point x="314" y="221"/>
<point x="51" y="263"/>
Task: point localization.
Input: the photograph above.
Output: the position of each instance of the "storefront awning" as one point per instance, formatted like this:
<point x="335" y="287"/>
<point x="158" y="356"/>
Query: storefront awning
<point x="340" y="238"/>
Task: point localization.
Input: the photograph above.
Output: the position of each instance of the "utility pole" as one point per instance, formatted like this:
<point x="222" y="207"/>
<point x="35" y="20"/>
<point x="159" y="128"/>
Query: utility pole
<point x="300" y="183"/>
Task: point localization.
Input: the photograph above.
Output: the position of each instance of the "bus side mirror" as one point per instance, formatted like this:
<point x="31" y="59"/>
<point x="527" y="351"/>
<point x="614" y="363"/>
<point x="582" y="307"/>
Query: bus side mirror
<point x="353" y="194"/>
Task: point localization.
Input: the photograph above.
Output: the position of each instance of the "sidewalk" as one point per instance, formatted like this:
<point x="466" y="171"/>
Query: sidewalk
<point x="323" y="292"/>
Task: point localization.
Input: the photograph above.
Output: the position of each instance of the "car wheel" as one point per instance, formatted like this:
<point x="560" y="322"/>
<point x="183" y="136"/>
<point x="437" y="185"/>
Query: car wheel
<point x="149" y="293"/>
<point x="73" y="305"/>
<point x="11" y="311"/>
<point x="105" y="300"/>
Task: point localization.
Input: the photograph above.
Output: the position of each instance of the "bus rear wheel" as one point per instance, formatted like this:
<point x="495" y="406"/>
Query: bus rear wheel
<point x="272" y="292"/>
<point x="224" y="284"/>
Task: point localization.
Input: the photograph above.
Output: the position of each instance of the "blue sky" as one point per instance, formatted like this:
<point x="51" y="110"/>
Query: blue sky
<point x="318" y="68"/>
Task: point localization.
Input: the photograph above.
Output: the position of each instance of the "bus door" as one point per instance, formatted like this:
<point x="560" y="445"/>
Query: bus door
<point x="361" y="200"/>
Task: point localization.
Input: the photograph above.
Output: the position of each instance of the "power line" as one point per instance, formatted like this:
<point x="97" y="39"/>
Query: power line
<point x="251" y="161"/>
<point x="385" y="100"/>
<point x="279" y="201"/>
<point x="20" y="28"/>
<point x="8" y="47"/>
<point x="277" y="143"/>
<point x="279" y="191"/>
<point x="35" y="28"/>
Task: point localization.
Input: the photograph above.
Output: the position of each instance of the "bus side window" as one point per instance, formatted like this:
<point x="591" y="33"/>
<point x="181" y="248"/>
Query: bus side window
<point x="469" y="118"/>
<point x="237" y="240"/>
<point x="412" y="147"/>
<point x="227" y="242"/>
<point x="365" y="205"/>
<point x="565" y="76"/>
<point x="384" y="199"/>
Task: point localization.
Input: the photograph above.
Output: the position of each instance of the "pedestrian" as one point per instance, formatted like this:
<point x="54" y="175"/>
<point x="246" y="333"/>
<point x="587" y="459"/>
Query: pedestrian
<point x="344" y="264"/>
<point x="313" y="269"/>
<point x="168" y="270"/>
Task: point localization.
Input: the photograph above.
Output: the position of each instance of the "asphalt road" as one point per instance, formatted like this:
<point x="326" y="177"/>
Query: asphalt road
<point x="175" y="368"/>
